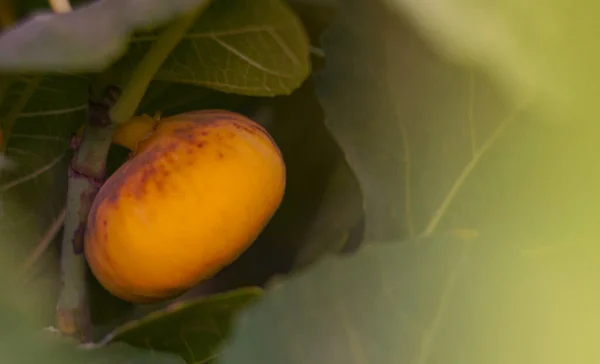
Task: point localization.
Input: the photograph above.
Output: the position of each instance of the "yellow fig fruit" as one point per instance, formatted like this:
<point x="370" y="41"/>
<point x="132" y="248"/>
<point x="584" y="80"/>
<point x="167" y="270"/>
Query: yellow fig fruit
<point x="193" y="197"/>
<point x="130" y="133"/>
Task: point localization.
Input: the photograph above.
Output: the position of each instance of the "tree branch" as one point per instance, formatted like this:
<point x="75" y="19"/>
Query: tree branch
<point x="86" y="175"/>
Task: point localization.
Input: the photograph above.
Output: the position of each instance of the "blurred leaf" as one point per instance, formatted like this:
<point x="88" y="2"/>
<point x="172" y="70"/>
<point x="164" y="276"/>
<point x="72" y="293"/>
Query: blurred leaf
<point x="437" y="147"/>
<point x="39" y="114"/>
<point x="431" y="301"/>
<point x="89" y="38"/>
<point x="194" y="329"/>
<point x="249" y="47"/>
<point x="49" y="348"/>
<point x="547" y="48"/>
<point x="401" y="116"/>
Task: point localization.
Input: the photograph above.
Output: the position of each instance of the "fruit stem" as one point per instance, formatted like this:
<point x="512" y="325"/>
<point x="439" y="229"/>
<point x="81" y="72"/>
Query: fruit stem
<point x="86" y="175"/>
<point x="140" y="79"/>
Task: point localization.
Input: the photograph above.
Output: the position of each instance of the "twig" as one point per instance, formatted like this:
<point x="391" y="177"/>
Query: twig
<point x="45" y="241"/>
<point x="86" y="174"/>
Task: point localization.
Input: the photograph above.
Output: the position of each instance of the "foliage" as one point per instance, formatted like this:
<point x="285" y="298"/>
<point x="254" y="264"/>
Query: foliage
<point x="81" y="40"/>
<point x="446" y="148"/>
<point x="544" y="49"/>
<point x="480" y="231"/>
<point x="195" y="329"/>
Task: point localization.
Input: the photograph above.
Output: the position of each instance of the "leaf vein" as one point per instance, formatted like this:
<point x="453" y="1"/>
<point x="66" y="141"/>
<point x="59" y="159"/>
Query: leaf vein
<point x="53" y="112"/>
<point x="249" y="60"/>
<point x="31" y="176"/>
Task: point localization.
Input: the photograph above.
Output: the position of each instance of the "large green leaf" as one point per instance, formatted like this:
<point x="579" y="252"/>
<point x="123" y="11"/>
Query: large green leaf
<point x="545" y="47"/>
<point x="436" y="146"/>
<point x="250" y="47"/>
<point x="194" y="329"/>
<point x="433" y="301"/>
<point x="87" y="39"/>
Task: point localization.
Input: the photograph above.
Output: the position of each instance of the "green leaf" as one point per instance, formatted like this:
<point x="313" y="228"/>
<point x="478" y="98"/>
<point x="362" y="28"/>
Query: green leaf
<point x="173" y="98"/>
<point x="401" y="116"/>
<point x="51" y="348"/>
<point x="437" y="147"/>
<point x="249" y="47"/>
<point x="81" y="40"/>
<point x="544" y="48"/>
<point x="194" y="329"/>
<point x="39" y="114"/>
<point x="436" y="300"/>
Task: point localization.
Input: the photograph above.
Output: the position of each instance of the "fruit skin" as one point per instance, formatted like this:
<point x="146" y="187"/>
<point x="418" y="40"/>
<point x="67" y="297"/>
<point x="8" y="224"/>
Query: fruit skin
<point x="193" y="197"/>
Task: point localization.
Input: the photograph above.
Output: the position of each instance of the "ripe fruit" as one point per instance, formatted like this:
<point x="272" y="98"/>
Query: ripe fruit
<point x="192" y="198"/>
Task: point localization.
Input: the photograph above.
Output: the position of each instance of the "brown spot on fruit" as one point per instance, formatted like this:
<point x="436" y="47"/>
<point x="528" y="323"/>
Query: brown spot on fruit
<point x="159" y="185"/>
<point x="245" y="127"/>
